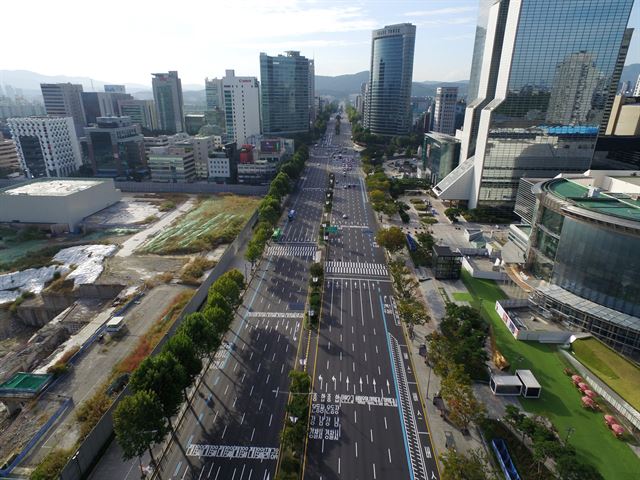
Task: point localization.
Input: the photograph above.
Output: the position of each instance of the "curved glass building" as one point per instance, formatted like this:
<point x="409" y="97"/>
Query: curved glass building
<point x="585" y="242"/>
<point x="388" y="104"/>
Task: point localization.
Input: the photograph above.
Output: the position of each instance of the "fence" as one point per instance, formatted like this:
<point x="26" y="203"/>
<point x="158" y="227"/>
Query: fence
<point x="93" y="446"/>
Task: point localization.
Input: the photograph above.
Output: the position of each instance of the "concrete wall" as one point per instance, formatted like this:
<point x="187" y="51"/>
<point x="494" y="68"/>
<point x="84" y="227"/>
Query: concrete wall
<point x="470" y="266"/>
<point x="90" y="450"/>
<point x="149" y="187"/>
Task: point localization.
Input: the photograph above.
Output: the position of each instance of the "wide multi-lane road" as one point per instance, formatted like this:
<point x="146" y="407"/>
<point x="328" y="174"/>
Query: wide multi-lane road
<point x="231" y="429"/>
<point x="367" y="420"/>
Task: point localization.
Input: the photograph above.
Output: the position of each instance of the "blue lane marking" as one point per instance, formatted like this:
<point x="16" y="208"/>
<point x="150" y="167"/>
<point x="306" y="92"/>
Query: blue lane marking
<point x="395" y="385"/>
<point x="177" y="468"/>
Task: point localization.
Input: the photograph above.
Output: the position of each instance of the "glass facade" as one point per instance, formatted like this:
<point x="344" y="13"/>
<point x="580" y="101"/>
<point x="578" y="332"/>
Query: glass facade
<point x="441" y="154"/>
<point x="600" y="265"/>
<point x="285" y="87"/>
<point x="564" y="54"/>
<point x="167" y="94"/>
<point x="388" y="106"/>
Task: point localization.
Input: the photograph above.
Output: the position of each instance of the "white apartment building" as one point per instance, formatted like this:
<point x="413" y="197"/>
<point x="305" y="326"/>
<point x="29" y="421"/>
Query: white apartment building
<point x="47" y="146"/>
<point x="444" y="117"/>
<point x="202" y="146"/>
<point x="241" y="105"/>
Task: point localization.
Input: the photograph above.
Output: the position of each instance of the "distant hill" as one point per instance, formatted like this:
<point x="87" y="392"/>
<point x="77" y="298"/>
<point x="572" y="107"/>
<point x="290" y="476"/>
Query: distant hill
<point x="344" y="85"/>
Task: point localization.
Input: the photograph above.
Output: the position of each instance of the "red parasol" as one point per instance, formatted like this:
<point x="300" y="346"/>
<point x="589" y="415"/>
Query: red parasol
<point x="583" y="386"/>
<point x="610" y="419"/>
<point x="617" y="429"/>
<point x="576" y="379"/>
<point x="590" y="393"/>
<point x="587" y="401"/>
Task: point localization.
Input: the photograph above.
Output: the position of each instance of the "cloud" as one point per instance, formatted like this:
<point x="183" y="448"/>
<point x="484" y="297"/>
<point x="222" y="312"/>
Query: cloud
<point x="447" y="21"/>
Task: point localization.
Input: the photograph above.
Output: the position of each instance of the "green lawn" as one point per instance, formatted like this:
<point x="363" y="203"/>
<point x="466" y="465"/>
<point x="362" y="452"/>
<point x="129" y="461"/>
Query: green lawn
<point x="559" y="401"/>
<point x="463" y="297"/>
<point x="620" y="374"/>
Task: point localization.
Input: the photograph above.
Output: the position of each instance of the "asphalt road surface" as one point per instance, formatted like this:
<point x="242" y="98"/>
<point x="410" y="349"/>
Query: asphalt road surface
<point x="231" y="431"/>
<point x="367" y="421"/>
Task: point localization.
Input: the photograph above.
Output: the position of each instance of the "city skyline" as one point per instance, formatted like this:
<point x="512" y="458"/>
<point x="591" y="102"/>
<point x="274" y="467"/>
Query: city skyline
<point x="337" y="36"/>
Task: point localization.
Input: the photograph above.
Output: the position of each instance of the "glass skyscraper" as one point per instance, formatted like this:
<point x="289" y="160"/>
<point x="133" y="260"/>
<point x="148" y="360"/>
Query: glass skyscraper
<point x="167" y="94"/>
<point x="541" y="79"/>
<point x="285" y="84"/>
<point x="388" y="103"/>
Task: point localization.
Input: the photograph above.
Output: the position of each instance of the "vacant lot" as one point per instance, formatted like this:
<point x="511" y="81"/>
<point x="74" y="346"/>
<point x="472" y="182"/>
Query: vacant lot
<point x="560" y="401"/>
<point x="213" y="221"/>
<point x="616" y="371"/>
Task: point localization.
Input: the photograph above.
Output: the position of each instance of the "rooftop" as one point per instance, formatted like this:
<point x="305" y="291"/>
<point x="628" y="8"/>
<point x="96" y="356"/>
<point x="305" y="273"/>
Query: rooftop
<point x="51" y="187"/>
<point x="618" y="204"/>
<point x="25" y="382"/>
<point x="528" y="379"/>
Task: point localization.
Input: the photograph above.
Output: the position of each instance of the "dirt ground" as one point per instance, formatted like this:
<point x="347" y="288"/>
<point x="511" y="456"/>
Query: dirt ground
<point x="138" y="268"/>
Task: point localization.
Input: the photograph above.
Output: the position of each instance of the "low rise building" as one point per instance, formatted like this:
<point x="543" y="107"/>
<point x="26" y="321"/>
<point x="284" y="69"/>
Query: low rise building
<point x="440" y="155"/>
<point x="193" y="122"/>
<point x="447" y="263"/>
<point x="141" y="112"/>
<point x="56" y="201"/>
<point x="202" y="147"/>
<point x="258" y="166"/>
<point x="585" y="243"/>
<point x="172" y="164"/>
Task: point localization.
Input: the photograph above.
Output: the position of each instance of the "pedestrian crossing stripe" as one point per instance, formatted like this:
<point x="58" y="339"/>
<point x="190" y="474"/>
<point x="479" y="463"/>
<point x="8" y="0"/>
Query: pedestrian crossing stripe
<point x="291" y="250"/>
<point x="356" y="268"/>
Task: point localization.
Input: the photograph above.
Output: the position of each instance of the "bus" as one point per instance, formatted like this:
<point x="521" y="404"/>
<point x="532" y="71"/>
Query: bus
<point x="277" y="234"/>
<point x="292" y="213"/>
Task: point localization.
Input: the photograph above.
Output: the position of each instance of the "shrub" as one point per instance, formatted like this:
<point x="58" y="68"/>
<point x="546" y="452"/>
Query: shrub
<point x="51" y="465"/>
<point x="195" y="269"/>
<point x="166" y="206"/>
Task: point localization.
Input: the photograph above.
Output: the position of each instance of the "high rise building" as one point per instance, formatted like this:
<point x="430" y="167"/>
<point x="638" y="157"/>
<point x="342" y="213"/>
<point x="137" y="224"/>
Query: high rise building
<point x="312" y="91"/>
<point x="241" y="107"/>
<point x="167" y="94"/>
<point x="444" y="117"/>
<point x="285" y="93"/>
<point x="115" y="89"/>
<point x="115" y="147"/>
<point x="213" y="93"/>
<point x="9" y="159"/>
<point x="65" y="100"/>
<point x="636" y="89"/>
<point x="388" y="102"/>
<point x="141" y="112"/>
<point x="47" y="146"/>
<point x="541" y="83"/>
<point x="97" y="104"/>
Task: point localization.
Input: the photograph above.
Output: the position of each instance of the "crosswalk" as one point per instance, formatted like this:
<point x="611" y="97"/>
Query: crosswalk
<point x="303" y="251"/>
<point x="355" y="268"/>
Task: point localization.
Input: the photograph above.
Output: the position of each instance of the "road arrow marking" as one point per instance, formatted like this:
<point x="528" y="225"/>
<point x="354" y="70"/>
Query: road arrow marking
<point x="374" y="386"/>
<point x="388" y="388"/>
<point x="347" y="384"/>
<point x="320" y="379"/>
<point x="360" y="384"/>
<point x="334" y="382"/>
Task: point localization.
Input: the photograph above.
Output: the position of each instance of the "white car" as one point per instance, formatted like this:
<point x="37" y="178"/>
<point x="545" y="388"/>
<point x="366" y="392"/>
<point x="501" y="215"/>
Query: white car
<point x="344" y="215"/>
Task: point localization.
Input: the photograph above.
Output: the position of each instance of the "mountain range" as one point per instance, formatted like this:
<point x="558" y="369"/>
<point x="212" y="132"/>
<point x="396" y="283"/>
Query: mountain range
<point x="340" y="86"/>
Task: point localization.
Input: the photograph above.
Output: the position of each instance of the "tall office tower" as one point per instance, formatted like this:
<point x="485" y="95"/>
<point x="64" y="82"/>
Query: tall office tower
<point x="285" y="93"/>
<point x="97" y="104"/>
<point x="167" y="94"/>
<point x="544" y="72"/>
<point x="65" y="100"/>
<point x="141" y="112"/>
<point x="444" y="119"/>
<point x="388" y="103"/>
<point x="47" y="146"/>
<point x="115" y="89"/>
<point x="116" y="147"/>
<point x="636" y="89"/>
<point x="213" y="93"/>
<point x="312" y="91"/>
<point x="241" y="106"/>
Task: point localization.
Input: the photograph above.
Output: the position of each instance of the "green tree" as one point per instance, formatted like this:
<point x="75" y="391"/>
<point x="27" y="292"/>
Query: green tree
<point x="316" y="270"/>
<point x="456" y="390"/>
<point x="181" y="347"/>
<point x="229" y="289"/>
<point x="202" y="333"/>
<point x="458" y="466"/>
<point x="139" y="423"/>
<point x="237" y="276"/>
<point x="163" y="375"/>
<point x="391" y="238"/>
<point x="253" y="252"/>
<point x="412" y="312"/>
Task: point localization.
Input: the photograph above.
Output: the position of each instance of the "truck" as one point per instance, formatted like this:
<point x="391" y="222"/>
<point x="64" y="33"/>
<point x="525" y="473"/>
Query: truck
<point x="291" y="214"/>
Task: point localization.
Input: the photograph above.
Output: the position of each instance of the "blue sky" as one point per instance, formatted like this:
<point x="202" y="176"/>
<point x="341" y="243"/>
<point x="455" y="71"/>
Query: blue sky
<point x="124" y="40"/>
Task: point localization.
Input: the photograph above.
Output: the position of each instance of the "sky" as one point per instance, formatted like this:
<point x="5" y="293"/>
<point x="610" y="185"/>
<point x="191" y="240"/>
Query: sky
<point x="125" y="41"/>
